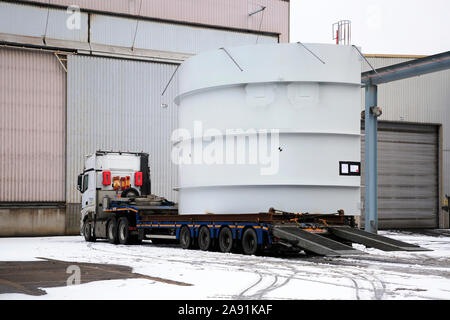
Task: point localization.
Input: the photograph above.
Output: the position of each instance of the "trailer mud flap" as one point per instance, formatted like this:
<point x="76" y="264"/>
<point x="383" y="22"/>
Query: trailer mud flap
<point x="373" y="240"/>
<point x="313" y="242"/>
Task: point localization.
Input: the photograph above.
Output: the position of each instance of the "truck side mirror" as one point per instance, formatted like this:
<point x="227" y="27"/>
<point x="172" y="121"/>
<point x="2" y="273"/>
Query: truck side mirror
<point x="80" y="183"/>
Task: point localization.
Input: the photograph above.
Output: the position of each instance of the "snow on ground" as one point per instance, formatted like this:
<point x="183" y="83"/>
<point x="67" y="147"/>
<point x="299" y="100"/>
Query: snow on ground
<point x="215" y="275"/>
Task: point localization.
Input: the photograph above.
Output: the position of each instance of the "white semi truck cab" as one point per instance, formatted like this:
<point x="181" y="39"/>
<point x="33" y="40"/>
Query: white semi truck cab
<point x="121" y="173"/>
<point x="109" y="175"/>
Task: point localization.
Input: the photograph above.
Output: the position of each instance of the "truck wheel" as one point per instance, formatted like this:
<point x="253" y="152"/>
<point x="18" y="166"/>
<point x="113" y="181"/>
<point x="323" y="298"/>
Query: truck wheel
<point x="225" y="239"/>
<point x="249" y="241"/>
<point x="87" y="232"/>
<point x="185" y="238"/>
<point x="204" y="238"/>
<point x="112" y="231"/>
<point x="124" y="231"/>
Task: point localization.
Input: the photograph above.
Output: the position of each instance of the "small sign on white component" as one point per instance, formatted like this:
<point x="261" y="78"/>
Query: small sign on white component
<point x="349" y="168"/>
<point x="344" y="167"/>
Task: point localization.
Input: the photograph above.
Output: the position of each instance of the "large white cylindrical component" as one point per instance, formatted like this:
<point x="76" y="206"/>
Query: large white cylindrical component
<point x="310" y="109"/>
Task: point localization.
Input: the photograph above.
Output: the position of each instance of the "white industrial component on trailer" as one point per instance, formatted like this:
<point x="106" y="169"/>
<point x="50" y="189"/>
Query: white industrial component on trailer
<point x="307" y="96"/>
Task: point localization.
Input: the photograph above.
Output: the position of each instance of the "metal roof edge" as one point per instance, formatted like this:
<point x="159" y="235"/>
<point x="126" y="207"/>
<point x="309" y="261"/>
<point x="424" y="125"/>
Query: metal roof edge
<point x="404" y="56"/>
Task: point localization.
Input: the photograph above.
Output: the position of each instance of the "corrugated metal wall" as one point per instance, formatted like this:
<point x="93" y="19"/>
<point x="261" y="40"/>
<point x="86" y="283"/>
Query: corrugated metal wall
<point x="32" y="21"/>
<point x="115" y="104"/>
<point x="111" y="103"/>
<point x="408" y="186"/>
<point x="32" y="127"/>
<point x="229" y="13"/>
<point x="424" y="99"/>
<point x="116" y="35"/>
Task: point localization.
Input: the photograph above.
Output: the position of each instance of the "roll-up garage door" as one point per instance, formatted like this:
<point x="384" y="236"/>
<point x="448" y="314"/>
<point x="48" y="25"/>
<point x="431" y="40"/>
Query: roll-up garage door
<point x="408" y="167"/>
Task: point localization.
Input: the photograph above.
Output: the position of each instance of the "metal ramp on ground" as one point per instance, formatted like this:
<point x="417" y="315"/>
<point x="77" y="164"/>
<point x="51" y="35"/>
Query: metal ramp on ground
<point x="313" y="242"/>
<point x="373" y="240"/>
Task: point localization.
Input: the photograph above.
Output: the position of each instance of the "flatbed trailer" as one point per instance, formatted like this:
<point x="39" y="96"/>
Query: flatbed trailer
<point x="320" y="234"/>
<point x="117" y="205"/>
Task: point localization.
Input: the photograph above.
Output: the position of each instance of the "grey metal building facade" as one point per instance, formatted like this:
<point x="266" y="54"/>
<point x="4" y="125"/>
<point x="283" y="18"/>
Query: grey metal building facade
<point x="131" y="119"/>
<point x="69" y="74"/>
<point x="56" y="85"/>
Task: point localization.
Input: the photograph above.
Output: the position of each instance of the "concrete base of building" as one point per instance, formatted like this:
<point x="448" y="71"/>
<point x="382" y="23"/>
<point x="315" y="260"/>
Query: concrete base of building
<point x="73" y="214"/>
<point x="445" y="220"/>
<point x="24" y="221"/>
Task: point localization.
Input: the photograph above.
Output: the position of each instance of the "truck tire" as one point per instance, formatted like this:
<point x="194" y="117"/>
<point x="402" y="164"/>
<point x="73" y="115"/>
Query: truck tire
<point x="185" y="238"/>
<point x="111" y="231"/>
<point x="87" y="232"/>
<point x="124" y="231"/>
<point x="204" y="238"/>
<point x="249" y="241"/>
<point x="225" y="239"/>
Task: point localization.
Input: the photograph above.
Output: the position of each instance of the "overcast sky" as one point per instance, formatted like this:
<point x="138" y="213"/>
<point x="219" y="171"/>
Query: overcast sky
<point x="378" y="26"/>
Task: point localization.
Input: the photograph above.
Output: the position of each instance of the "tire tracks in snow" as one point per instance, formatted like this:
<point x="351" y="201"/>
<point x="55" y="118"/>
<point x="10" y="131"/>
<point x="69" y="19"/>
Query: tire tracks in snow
<point x="242" y="294"/>
<point x="277" y="271"/>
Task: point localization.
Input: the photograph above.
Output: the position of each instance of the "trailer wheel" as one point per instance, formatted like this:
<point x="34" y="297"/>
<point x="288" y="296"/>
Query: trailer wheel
<point x="249" y="241"/>
<point x="204" y="238"/>
<point x="112" y="231"/>
<point x="87" y="232"/>
<point x="124" y="231"/>
<point x="225" y="239"/>
<point x="185" y="238"/>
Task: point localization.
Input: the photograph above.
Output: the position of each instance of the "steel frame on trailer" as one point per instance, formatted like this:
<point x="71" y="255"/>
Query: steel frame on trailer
<point x="260" y="222"/>
<point x="262" y="229"/>
<point x="194" y="225"/>
<point x="309" y="232"/>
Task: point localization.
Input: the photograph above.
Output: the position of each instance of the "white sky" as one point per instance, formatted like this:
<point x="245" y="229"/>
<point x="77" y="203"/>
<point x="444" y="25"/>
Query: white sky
<point x="378" y="26"/>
